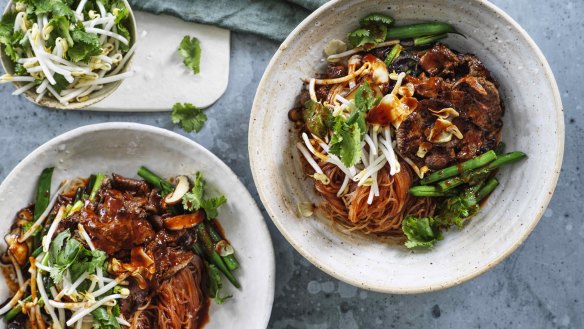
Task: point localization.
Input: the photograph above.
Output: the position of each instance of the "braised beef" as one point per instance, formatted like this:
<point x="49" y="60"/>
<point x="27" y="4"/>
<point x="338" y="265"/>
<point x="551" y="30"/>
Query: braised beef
<point x="136" y="298"/>
<point x="336" y="71"/>
<point x="129" y="184"/>
<point x="322" y="92"/>
<point x="170" y="252"/>
<point x="439" y="61"/>
<point x="119" y="222"/>
<point x="462" y="82"/>
<point x="407" y="61"/>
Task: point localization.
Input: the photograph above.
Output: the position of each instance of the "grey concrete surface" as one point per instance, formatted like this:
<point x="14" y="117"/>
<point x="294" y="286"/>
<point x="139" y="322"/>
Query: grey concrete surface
<point x="539" y="286"/>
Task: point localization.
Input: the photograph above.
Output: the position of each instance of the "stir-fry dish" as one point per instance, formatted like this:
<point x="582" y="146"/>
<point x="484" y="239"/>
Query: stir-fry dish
<point x="66" y="49"/>
<point x="401" y="134"/>
<point x="113" y="252"/>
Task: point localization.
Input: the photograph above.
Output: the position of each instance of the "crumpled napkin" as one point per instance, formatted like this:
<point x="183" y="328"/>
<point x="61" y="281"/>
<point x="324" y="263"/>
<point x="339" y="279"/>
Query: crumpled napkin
<point x="273" y="19"/>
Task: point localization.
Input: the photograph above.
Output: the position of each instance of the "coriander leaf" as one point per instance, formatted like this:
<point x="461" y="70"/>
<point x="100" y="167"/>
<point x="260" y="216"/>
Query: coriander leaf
<point x="346" y="142"/>
<point x="194" y="199"/>
<point x="377" y="18"/>
<point x="359" y="37"/>
<point x="104" y="319"/>
<point x="367" y="38"/>
<point x="6" y="40"/>
<point x="122" y="13"/>
<point x="365" y="98"/>
<point x="116" y="311"/>
<point x="420" y="232"/>
<point x="210" y="206"/>
<point x="188" y="116"/>
<point x="87" y="261"/>
<point x="61" y="257"/>
<point x="60" y="8"/>
<point x="120" y="10"/>
<point x="54" y="7"/>
<point x="190" y="50"/>
<point x="60" y="26"/>
<point x="214" y="283"/>
<point x="67" y="257"/>
<point x="57" y="245"/>
<point x="86" y="45"/>
<point x="457" y="210"/>
<point x="315" y="117"/>
<point x="123" y="31"/>
<point x="61" y="84"/>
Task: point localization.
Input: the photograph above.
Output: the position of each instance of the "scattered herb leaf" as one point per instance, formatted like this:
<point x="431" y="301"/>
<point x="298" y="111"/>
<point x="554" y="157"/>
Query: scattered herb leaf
<point x="190" y="50"/>
<point x="188" y="116"/>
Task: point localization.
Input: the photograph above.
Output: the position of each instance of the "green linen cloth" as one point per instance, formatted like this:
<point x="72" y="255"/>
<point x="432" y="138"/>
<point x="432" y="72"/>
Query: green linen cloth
<point x="273" y="19"/>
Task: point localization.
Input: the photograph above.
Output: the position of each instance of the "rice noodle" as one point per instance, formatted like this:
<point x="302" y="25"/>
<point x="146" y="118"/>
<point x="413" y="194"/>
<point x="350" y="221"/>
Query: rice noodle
<point x="371" y="196"/>
<point x="180" y="300"/>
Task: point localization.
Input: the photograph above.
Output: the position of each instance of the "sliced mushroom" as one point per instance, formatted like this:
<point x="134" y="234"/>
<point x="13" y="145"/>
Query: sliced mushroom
<point x="18" y="250"/>
<point x="184" y="221"/>
<point x="379" y="72"/>
<point x="182" y="188"/>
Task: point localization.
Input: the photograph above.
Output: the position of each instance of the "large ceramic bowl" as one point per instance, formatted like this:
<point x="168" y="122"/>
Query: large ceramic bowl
<point x="534" y="123"/>
<point x="96" y="96"/>
<point x="122" y="148"/>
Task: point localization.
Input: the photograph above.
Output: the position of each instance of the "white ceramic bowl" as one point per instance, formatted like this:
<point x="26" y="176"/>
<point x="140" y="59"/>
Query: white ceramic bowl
<point x="96" y="96"/>
<point x="122" y="148"/>
<point x="534" y="123"/>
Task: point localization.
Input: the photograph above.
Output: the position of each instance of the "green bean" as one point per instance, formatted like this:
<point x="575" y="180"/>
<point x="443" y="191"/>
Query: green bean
<point x="419" y="30"/>
<point x="393" y="54"/>
<point x="229" y="260"/>
<point x="428" y="40"/>
<point x="487" y="188"/>
<point x="428" y="191"/>
<point x="150" y="177"/>
<point x="507" y="159"/>
<point x="214" y="257"/>
<point x="501" y="160"/>
<point x="43" y="195"/>
<point x="460" y="168"/>
<point x="198" y="249"/>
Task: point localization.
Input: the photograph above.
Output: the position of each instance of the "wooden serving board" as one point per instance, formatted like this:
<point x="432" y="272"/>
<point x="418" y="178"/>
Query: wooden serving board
<point x="161" y="78"/>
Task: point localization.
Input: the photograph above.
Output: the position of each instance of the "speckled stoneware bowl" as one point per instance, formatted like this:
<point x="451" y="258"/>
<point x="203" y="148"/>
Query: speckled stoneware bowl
<point x="122" y="148"/>
<point x="534" y="123"/>
<point x="96" y="96"/>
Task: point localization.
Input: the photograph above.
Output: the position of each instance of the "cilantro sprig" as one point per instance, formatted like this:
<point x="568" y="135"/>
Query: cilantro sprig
<point x="190" y="50"/>
<point x="189" y="117"/>
<point x="349" y="133"/>
<point x="373" y="30"/>
<point x="196" y="200"/>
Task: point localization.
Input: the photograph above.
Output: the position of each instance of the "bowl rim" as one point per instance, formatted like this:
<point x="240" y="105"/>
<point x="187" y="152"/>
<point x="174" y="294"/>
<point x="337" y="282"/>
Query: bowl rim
<point x="167" y="135"/>
<point x="550" y="187"/>
<point x="51" y="103"/>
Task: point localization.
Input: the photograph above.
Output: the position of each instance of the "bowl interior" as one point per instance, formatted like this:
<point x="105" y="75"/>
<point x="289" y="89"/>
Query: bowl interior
<point x="533" y="124"/>
<point x="122" y="148"/>
<point x="96" y="97"/>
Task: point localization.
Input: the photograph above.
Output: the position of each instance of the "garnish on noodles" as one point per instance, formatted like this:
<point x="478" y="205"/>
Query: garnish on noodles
<point x="113" y="252"/>
<point x="401" y="134"/>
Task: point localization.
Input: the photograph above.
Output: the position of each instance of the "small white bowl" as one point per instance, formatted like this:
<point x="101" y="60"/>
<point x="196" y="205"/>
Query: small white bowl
<point x="122" y="148"/>
<point x="534" y="123"/>
<point x="96" y="96"/>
